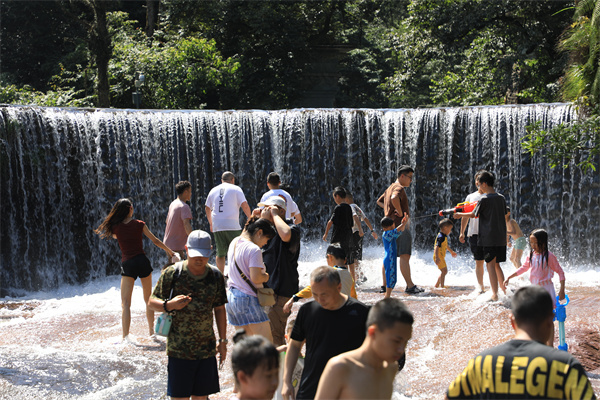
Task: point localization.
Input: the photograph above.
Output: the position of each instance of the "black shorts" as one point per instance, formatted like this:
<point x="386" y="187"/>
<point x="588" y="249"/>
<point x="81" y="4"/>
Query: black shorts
<point x="136" y="266"/>
<point x="475" y="249"/>
<point x="188" y="378"/>
<point x="404" y="243"/>
<point x="497" y="252"/>
<point x="355" y="248"/>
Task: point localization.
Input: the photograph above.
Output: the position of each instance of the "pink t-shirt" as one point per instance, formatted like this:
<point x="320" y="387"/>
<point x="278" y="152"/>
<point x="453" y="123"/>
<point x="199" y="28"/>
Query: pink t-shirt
<point x="247" y="255"/>
<point x="175" y="234"/>
<point x="541" y="273"/>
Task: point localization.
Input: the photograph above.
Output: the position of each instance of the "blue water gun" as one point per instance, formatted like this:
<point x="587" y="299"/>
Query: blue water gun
<point x="561" y="315"/>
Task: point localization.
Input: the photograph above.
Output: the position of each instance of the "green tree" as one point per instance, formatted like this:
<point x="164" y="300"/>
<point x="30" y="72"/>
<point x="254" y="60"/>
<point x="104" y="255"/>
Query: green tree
<point x="583" y="44"/>
<point x="469" y="52"/>
<point x="577" y="142"/>
<point x="36" y="37"/>
<point x="180" y="72"/>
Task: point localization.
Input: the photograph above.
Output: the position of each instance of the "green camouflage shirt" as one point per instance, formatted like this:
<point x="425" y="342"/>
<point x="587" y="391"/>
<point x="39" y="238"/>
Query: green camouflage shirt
<point x="192" y="336"/>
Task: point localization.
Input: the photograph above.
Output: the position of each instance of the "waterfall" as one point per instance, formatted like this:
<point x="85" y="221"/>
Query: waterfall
<point x="62" y="169"/>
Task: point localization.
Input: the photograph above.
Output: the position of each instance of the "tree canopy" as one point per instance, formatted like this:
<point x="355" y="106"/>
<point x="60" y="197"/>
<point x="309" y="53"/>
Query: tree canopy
<point x="274" y="54"/>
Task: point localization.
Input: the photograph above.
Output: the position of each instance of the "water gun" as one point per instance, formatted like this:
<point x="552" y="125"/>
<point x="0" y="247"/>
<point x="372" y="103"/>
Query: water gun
<point x="561" y="315"/>
<point x="460" y="207"/>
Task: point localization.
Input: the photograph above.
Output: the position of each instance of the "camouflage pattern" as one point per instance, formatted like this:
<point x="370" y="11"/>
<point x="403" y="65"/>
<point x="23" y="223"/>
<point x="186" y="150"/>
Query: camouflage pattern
<point x="192" y="336"/>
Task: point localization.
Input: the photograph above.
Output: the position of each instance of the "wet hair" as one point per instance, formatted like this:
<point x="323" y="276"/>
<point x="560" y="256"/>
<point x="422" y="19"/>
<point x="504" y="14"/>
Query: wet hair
<point x="227" y="176"/>
<point x="531" y="304"/>
<point x="336" y="250"/>
<point x="251" y="352"/>
<point x="487" y="178"/>
<point x="117" y="214"/>
<point x="339" y="191"/>
<point x="273" y="178"/>
<point x="255" y="223"/>
<point x="182" y="186"/>
<point x="445" y="222"/>
<point x="385" y="313"/>
<point x="542" y="241"/>
<point x="405" y="170"/>
<point x="324" y="272"/>
<point x="386" y="221"/>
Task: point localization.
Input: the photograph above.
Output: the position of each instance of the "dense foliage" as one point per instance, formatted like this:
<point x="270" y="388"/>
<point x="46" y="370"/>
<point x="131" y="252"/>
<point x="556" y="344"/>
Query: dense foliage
<point x="579" y="141"/>
<point x="279" y="54"/>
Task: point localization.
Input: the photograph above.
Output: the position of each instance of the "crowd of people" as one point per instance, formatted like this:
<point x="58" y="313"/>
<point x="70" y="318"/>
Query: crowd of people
<point x="353" y="350"/>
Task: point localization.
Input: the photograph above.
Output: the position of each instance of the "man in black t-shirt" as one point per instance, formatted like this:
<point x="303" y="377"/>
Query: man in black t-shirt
<point x="332" y="324"/>
<point x="524" y="368"/>
<point x="490" y="210"/>
<point x="280" y="256"/>
<point x="341" y="220"/>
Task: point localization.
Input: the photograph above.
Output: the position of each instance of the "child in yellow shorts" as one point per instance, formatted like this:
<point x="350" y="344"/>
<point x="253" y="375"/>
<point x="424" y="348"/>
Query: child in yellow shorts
<point x="439" y="250"/>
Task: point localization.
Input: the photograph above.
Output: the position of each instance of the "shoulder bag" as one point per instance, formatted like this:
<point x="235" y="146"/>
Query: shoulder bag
<point x="164" y="320"/>
<point x="266" y="296"/>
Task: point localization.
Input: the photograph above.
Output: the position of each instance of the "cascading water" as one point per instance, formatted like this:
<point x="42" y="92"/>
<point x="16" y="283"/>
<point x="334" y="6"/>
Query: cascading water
<point x="62" y="169"/>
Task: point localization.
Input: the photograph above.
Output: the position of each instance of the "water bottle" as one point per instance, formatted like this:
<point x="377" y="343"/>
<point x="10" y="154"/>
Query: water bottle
<point x="561" y="316"/>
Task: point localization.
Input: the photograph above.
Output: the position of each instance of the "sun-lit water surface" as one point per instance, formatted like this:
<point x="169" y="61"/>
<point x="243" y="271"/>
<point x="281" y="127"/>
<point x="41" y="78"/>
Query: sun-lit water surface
<point x="66" y="344"/>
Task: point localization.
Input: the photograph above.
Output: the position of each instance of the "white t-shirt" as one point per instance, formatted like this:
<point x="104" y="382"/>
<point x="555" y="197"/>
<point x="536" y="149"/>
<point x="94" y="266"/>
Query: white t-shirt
<point x="473" y="222"/>
<point x="224" y="201"/>
<point x="359" y="213"/>
<point x="291" y="206"/>
<point x="247" y="255"/>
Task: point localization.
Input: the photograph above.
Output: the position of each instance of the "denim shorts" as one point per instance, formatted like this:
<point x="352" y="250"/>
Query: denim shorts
<point x="243" y="309"/>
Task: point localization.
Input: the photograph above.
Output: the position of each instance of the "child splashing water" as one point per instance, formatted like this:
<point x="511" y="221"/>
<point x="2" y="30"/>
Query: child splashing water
<point x="543" y="264"/>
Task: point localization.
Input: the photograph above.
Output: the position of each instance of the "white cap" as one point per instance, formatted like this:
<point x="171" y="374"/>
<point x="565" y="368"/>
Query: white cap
<point x="274" y="201"/>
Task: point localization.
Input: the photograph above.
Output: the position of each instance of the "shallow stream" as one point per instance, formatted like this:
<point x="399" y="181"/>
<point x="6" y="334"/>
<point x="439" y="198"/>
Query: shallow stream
<point x="66" y="343"/>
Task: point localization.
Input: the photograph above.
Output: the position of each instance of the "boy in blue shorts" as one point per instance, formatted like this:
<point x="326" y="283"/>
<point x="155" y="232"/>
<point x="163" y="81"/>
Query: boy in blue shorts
<point x="439" y="250"/>
<point x="389" y="243"/>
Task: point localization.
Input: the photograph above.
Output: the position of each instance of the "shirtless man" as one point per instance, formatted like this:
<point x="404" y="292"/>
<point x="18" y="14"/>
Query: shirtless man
<point x="520" y="241"/>
<point x="368" y="372"/>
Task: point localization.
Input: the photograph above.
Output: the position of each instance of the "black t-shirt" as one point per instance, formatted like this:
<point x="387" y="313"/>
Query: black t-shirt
<point x="522" y="369"/>
<point x="342" y="225"/>
<point x="281" y="260"/>
<point x="491" y="210"/>
<point x="327" y="333"/>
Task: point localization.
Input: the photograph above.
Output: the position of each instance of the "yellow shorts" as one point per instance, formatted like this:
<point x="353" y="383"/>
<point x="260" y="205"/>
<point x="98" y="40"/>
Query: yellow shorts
<point x="442" y="264"/>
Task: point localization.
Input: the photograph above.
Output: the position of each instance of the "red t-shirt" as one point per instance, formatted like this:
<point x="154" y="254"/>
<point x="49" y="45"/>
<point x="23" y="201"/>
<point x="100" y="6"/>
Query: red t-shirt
<point x="129" y="236"/>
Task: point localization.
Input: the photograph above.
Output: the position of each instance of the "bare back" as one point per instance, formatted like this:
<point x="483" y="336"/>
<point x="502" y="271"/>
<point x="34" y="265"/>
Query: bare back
<point x="348" y="377"/>
<point x="513" y="229"/>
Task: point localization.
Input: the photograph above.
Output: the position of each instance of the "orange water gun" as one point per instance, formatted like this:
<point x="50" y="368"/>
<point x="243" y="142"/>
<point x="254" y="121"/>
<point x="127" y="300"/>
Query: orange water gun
<point x="465" y="207"/>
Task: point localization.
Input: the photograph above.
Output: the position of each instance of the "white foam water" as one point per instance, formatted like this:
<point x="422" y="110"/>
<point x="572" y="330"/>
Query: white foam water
<point x="66" y="344"/>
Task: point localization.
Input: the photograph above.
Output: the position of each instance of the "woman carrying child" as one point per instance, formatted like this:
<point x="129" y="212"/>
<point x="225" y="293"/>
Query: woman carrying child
<point x="120" y="225"/>
<point x="542" y="264"/>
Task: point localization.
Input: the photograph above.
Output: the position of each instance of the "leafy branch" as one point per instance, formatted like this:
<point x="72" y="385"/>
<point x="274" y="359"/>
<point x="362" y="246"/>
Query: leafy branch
<point x="577" y="142"/>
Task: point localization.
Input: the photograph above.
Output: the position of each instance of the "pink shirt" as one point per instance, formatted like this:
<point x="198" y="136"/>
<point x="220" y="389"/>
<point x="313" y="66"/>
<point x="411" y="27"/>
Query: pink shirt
<point x="247" y="255"/>
<point x="539" y="273"/>
<point x="175" y="234"/>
